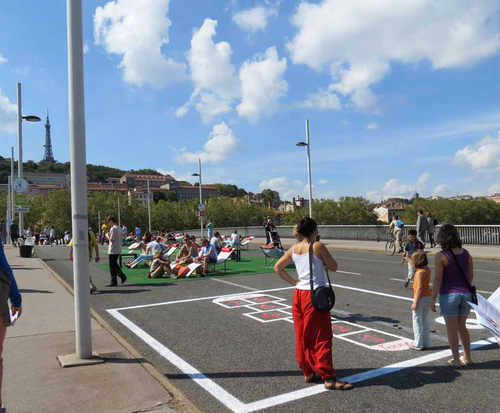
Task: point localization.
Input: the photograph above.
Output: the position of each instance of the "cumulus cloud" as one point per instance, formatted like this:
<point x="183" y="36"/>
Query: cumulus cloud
<point x="423" y="180"/>
<point x="136" y="31"/>
<point x="86" y="48"/>
<point x="494" y="189"/>
<point x="221" y="145"/>
<point x="322" y="100"/>
<point x="254" y="19"/>
<point x="394" y="189"/>
<point x="287" y="188"/>
<point x="8" y="114"/>
<point x="323" y="182"/>
<point x="213" y="74"/>
<point x="442" y="189"/>
<point x="3" y="59"/>
<point x="165" y="171"/>
<point x="373" y="196"/>
<point x="358" y="40"/>
<point x="481" y="156"/>
<point x="262" y="84"/>
<point x="372" y="126"/>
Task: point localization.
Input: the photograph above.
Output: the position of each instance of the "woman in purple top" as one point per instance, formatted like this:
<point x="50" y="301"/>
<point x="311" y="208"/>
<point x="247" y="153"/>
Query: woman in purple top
<point x="454" y="292"/>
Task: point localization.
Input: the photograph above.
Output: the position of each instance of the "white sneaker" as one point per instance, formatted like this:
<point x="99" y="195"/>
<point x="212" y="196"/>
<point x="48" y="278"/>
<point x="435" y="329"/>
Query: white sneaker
<point x="93" y="289"/>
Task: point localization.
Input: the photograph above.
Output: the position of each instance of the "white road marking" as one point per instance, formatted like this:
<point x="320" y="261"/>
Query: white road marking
<point x="479" y="291"/>
<point x="347" y="272"/>
<point x="234" y="284"/>
<point x="399" y="263"/>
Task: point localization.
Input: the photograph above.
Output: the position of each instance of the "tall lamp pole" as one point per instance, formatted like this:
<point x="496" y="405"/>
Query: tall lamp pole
<point x="20" y="117"/>
<point x="12" y="215"/>
<point x="201" y="197"/>
<point x="309" y="180"/>
<point x="76" y="91"/>
<point x="149" y="208"/>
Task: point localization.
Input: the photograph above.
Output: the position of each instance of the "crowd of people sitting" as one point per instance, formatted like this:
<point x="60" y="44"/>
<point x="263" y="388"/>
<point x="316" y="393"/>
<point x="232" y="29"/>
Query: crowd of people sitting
<point x="158" y="248"/>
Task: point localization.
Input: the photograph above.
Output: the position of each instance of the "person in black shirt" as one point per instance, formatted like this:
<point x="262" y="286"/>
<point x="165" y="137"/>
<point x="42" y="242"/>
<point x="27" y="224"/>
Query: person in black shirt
<point x="14" y="232"/>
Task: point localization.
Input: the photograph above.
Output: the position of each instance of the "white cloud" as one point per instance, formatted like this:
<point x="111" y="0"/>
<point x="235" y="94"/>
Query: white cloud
<point x="262" y="84"/>
<point x="373" y="196"/>
<point x="372" y="126"/>
<point x="322" y="100"/>
<point x="8" y="114"/>
<point x="423" y="180"/>
<point x="494" y="189"/>
<point x="254" y="19"/>
<point x="442" y="189"/>
<point x="393" y="189"/>
<point x="286" y="187"/>
<point x="358" y="39"/>
<point x="3" y="59"/>
<point x="323" y="182"/>
<point x="220" y="146"/>
<point x="22" y="71"/>
<point x="137" y="30"/>
<point x="165" y="171"/>
<point x="216" y="84"/>
<point x="481" y="156"/>
<point x="86" y="47"/>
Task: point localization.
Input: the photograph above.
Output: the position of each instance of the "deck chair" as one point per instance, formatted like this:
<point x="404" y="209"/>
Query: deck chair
<point x="170" y="252"/>
<point x="134" y="246"/>
<point x="271" y="254"/>
<point x="192" y="268"/>
<point x="222" y="258"/>
<point x="246" y="242"/>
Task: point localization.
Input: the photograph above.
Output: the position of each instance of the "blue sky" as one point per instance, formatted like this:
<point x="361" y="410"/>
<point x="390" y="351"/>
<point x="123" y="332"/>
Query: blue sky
<point x="401" y="96"/>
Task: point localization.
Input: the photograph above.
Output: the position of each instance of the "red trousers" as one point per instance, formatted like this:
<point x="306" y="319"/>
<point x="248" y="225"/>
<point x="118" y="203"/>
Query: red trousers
<point x="313" y="336"/>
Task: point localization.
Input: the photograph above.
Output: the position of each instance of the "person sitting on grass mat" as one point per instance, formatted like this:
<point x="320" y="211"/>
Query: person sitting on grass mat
<point x="208" y="256"/>
<point x="159" y="266"/>
<point x="188" y="252"/>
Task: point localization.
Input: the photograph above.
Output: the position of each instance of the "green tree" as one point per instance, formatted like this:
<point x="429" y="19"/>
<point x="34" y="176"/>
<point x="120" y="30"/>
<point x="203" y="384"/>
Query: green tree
<point x="270" y="197"/>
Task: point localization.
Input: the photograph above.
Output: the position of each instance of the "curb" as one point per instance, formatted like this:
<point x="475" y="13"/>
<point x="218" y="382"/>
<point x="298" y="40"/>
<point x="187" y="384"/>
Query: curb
<point x="181" y="402"/>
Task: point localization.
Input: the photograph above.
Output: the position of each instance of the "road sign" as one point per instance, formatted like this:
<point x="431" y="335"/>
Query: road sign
<point x="21" y="209"/>
<point x="201" y="207"/>
<point x="21" y="185"/>
<point x="21" y="200"/>
<point x="201" y="215"/>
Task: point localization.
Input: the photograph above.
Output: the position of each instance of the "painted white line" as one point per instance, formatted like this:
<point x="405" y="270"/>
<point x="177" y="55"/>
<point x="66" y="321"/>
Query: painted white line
<point x="235" y="285"/>
<point x="479" y="291"/>
<point x="372" y="292"/>
<point x="189" y="300"/>
<point x="320" y="388"/>
<point x="347" y="272"/>
<point x="210" y="386"/>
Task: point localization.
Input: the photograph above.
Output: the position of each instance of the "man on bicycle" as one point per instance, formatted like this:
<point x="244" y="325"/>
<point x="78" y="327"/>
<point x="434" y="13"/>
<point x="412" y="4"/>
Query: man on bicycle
<point x="396" y="227"/>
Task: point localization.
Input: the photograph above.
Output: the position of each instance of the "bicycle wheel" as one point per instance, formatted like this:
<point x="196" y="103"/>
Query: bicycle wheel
<point x="390" y="248"/>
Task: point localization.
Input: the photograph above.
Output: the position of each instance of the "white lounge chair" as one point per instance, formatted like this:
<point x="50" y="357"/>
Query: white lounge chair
<point x="134" y="246"/>
<point x="271" y="254"/>
<point x="246" y="242"/>
<point x="169" y="253"/>
<point x="222" y="258"/>
<point x="192" y="268"/>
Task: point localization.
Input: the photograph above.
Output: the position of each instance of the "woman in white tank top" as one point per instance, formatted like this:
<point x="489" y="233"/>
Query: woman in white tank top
<point x="313" y="330"/>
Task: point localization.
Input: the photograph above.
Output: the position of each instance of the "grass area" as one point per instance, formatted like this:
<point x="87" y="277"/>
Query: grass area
<point x="248" y="265"/>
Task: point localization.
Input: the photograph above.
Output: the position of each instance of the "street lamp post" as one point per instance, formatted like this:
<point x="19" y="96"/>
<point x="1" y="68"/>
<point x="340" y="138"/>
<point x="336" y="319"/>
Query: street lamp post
<point x="20" y="117"/>
<point x="12" y="215"/>
<point x="201" y="197"/>
<point x="119" y="213"/>
<point x="149" y="208"/>
<point x="308" y="144"/>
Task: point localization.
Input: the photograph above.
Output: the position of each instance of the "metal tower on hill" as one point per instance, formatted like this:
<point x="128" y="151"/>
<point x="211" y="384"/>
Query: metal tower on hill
<point x="48" y="157"/>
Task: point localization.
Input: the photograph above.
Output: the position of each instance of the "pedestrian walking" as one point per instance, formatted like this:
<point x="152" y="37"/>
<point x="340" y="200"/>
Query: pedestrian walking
<point x="14" y="232"/>
<point x="210" y="228"/>
<point x="7" y="293"/>
<point x="313" y="329"/>
<point x="413" y="245"/>
<point x="421" y="306"/>
<point x="52" y="235"/>
<point x="115" y="238"/>
<point x="3" y="232"/>
<point x="431" y="228"/>
<point x="421" y="226"/>
<point x="92" y="247"/>
<point x="266" y="230"/>
<point x="453" y="279"/>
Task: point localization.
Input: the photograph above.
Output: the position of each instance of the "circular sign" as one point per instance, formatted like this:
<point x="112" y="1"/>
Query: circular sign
<point x="201" y="207"/>
<point x="21" y="185"/>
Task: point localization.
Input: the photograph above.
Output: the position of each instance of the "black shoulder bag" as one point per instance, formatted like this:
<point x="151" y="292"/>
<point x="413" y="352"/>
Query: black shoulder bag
<point x="5" y="285"/>
<point x="471" y="287"/>
<point x="323" y="298"/>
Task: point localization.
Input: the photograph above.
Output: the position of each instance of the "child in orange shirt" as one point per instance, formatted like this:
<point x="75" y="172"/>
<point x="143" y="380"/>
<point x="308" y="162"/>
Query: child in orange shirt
<point x="421" y="306"/>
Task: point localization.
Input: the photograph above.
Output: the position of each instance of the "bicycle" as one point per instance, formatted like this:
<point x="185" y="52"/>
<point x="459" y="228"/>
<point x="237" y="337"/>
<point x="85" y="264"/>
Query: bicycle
<point x="392" y="244"/>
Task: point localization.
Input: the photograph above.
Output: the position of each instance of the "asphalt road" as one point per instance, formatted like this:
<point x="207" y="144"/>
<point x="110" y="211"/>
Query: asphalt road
<point x="241" y="350"/>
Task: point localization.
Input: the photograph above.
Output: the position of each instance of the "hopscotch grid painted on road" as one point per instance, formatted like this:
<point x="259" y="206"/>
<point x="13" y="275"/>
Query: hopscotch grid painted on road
<point x="237" y="406"/>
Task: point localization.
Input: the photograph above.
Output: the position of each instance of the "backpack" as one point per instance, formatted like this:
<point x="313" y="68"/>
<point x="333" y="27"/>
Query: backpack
<point x="400" y="224"/>
<point x="436" y="223"/>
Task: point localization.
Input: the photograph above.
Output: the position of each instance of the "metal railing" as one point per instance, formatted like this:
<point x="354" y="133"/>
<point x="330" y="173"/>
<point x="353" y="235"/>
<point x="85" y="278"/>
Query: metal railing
<point x="488" y="235"/>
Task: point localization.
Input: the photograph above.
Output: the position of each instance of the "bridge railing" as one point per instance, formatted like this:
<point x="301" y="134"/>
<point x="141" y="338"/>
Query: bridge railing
<point x="488" y="235"/>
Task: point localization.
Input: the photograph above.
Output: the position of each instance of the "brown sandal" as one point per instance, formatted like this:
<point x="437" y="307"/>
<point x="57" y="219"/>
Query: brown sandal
<point x="334" y="384"/>
<point x="312" y="378"/>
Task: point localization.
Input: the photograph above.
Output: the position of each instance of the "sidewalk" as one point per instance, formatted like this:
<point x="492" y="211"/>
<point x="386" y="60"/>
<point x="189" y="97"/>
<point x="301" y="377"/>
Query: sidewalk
<point x="486" y="253"/>
<point x="33" y="378"/>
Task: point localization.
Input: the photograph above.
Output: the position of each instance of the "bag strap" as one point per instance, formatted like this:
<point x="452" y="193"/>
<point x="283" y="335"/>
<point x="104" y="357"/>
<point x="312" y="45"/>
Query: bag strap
<point x="311" y="271"/>
<point x="461" y="270"/>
